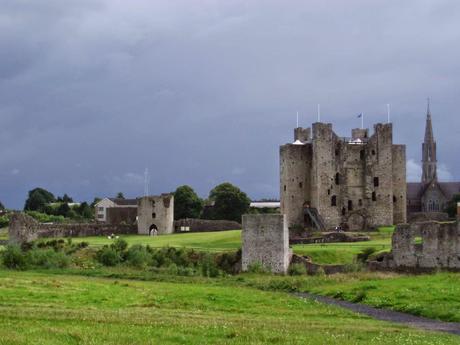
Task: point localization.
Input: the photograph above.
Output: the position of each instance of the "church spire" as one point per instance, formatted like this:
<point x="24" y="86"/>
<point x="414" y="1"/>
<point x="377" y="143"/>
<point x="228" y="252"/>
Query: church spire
<point x="429" y="150"/>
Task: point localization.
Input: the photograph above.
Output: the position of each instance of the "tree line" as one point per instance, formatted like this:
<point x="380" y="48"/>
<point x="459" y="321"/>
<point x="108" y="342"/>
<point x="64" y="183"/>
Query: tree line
<point x="225" y="201"/>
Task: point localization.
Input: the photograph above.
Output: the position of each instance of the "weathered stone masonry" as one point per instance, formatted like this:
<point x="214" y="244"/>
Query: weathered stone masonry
<point x="356" y="182"/>
<point x="24" y="228"/>
<point x="155" y="213"/>
<point x="427" y="245"/>
<point x="265" y="240"/>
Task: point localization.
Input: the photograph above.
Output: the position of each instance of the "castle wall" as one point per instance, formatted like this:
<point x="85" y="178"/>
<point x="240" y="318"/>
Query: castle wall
<point x="295" y="166"/>
<point x="326" y="160"/>
<point x="155" y="212"/>
<point x="399" y="184"/>
<point x="380" y="165"/>
<point x="265" y="241"/>
<point x="359" y="183"/>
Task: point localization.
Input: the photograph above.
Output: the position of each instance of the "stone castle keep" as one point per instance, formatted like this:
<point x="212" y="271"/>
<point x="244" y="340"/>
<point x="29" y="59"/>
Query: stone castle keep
<point x="328" y="181"/>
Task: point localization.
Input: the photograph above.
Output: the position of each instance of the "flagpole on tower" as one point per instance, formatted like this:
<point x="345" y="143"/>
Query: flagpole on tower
<point x="388" y="113"/>
<point x="319" y="112"/>
<point x="297" y="120"/>
<point x="146" y="182"/>
<point x="362" y="120"/>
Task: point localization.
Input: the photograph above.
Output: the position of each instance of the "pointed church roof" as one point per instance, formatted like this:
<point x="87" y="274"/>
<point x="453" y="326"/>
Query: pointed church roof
<point x="429" y="137"/>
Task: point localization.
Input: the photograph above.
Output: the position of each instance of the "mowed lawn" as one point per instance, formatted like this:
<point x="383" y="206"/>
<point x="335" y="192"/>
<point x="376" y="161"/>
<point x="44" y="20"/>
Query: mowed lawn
<point x="213" y="241"/>
<point x="36" y="308"/>
<point x="328" y="253"/>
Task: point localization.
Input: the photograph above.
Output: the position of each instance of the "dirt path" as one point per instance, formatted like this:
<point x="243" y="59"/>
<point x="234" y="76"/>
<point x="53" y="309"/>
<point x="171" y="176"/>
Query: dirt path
<point x="389" y="315"/>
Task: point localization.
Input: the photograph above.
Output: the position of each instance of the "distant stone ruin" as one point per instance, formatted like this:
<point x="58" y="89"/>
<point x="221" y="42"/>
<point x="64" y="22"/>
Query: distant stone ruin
<point x="423" y="247"/>
<point x="265" y="240"/>
<point x="24" y="228"/>
<point x="155" y="214"/>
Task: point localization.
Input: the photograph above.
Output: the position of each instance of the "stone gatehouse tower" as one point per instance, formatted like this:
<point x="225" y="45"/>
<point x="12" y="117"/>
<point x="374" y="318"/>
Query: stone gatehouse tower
<point x="155" y="214"/>
<point x="327" y="180"/>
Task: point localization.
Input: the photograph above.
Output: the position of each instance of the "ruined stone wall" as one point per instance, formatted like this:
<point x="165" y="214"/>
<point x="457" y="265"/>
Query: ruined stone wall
<point x="295" y="166"/>
<point x="418" y="217"/>
<point x="439" y="247"/>
<point x="155" y="212"/>
<point x="24" y="228"/>
<point x="399" y="184"/>
<point x="204" y="225"/>
<point x="265" y="240"/>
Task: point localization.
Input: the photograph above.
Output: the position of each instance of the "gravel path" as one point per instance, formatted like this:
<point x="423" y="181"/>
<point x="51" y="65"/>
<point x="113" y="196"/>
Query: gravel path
<point x="389" y="315"/>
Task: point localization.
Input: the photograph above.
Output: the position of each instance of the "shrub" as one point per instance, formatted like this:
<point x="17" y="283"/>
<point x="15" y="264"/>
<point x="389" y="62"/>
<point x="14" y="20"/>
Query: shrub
<point x="365" y="253"/>
<point x="47" y="258"/>
<point x="119" y="245"/>
<point x="45" y="218"/>
<point x="4" y="221"/>
<point x="108" y="256"/>
<point x="228" y="262"/>
<point x="172" y="269"/>
<point x="209" y="267"/>
<point x="185" y="271"/>
<point x="297" y="270"/>
<point x="14" y="258"/>
<point x="138" y="256"/>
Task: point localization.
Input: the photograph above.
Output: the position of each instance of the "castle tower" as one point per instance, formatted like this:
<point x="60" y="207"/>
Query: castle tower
<point x="429" y="151"/>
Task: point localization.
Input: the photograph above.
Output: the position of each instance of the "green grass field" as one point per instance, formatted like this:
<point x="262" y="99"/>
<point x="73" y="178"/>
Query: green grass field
<point x="435" y="296"/>
<point x="210" y="241"/>
<point x="59" y="309"/>
<point x="329" y="253"/>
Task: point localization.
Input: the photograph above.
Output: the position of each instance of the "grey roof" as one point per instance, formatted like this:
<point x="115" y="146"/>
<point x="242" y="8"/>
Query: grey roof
<point x="450" y="188"/>
<point x="416" y="189"/>
<point x="124" y="202"/>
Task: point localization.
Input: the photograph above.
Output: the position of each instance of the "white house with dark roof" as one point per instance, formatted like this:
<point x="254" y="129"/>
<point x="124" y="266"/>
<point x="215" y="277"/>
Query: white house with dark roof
<point x="106" y="203"/>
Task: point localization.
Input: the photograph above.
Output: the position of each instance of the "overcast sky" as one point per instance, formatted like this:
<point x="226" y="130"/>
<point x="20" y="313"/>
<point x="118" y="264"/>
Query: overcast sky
<point x="92" y="92"/>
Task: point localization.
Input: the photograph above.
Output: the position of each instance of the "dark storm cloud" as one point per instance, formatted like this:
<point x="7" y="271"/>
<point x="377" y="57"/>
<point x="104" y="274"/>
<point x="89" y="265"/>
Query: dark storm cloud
<point x="93" y="92"/>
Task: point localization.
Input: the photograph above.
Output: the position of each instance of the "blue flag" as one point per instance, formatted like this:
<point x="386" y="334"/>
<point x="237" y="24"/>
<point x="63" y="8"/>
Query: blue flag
<point x="360" y="115"/>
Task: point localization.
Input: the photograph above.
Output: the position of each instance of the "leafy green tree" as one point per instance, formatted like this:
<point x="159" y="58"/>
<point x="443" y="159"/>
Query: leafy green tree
<point x="95" y="201"/>
<point x="230" y="202"/>
<point x="38" y="199"/>
<point x="451" y="208"/>
<point x="63" y="210"/>
<point x="65" y="198"/>
<point x="120" y="195"/>
<point x="187" y="204"/>
<point x="85" y="211"/>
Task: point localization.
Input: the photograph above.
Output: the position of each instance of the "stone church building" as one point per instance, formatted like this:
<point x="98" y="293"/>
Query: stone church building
<point x="429" y="195"/>
<point x="354" y="182"/>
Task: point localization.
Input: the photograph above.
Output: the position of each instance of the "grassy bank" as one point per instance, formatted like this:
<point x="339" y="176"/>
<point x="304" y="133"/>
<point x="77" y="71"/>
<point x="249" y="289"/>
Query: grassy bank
<point x="435" y="296"/>
<point x="50" y="309"/>
<point x="328" y="253"/>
